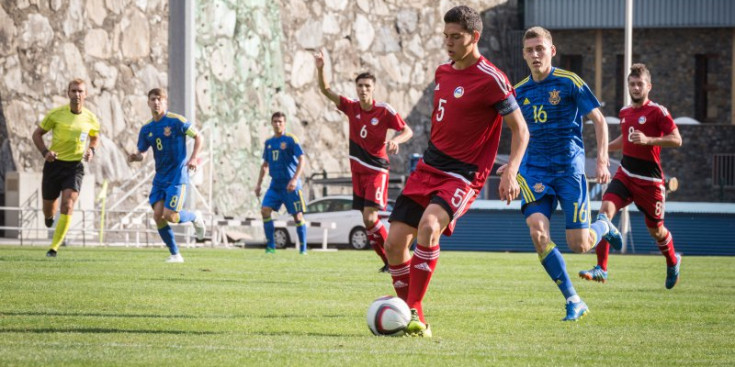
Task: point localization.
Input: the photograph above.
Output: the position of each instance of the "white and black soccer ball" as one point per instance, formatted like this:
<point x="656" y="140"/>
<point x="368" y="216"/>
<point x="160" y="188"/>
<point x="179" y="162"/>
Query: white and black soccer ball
<point x="388" y="315"/>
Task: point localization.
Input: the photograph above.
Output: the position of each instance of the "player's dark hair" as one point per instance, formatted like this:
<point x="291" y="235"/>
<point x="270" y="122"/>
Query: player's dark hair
<point x="158" y="92"/>
<point x="640" y="71"/>
<point x="366" y="75"/>
<point x="278" y="114"/>
<point x="538" y="32"/>
<point x="466" y="17"/>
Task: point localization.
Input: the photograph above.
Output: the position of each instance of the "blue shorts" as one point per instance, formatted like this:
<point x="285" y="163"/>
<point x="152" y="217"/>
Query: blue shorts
<point x="294" y="200"/>
<point x="173" y="196"/>
<point x="540" y="194"/>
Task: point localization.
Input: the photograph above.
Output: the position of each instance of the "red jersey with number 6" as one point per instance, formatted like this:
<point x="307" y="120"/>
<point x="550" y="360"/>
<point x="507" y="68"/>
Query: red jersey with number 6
<point x="368" y="130"/>
<point x="653" y="120"/>
<point x="465" y="126"/>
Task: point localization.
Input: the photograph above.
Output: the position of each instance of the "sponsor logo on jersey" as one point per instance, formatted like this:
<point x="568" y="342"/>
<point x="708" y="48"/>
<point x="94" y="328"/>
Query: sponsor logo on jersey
<point x="554" y="98"/>
<point x="150" y="135"/>
<point x="539" y="187"/>
<point x="283" y="145"/>
<point x="167" y="131"/>
<point x="642" y="120"/>
<point x="526" y="101"/>
<point x="374" y="121"/>
<point x="459" y="92"/>
<point x="423" y="266"/>
<point x="622" y="121"/>
<point x="437" y="87"/>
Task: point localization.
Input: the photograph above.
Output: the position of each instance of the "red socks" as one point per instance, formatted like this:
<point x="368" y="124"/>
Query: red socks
<point x="423" y="264"/>
<point x="666" y="246"/>
<point x="377" y="235"/>
<point x="602" y="250"/>
<point x="400" y="275"/>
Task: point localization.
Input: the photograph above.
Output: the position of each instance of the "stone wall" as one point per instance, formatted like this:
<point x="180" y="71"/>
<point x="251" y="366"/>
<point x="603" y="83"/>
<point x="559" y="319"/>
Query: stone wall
<point x="669" y="54"/>
<point x="120" y="47"/>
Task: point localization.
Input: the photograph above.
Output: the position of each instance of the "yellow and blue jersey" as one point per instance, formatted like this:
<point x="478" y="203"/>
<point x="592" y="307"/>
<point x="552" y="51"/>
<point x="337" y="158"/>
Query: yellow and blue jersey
<point x="554" y="109"/>
<point x="167" y="137"/>
<point x="70" y="131"/>
<point x="282" y="154"/>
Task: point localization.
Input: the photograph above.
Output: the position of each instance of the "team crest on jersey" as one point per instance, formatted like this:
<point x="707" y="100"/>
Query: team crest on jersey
<point x="167" y="131"/>
<point x="374" y="121"/>
<point x="554" y="98"/>
<point x="642" y="120"/>
<point x="283" y="145"/>
<point x="357" y="116"/>
<point x="459" y="92"/>
<point x="539" y="187"/>
<point x="150" y="135"/>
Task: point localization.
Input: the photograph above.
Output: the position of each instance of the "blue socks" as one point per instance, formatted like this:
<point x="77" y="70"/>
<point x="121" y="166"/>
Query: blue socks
<point x="167" y="235"/>
<point x="555" y="266"/>
<point x="599" y="228"/>
<point x="269" y="229"/>
<point x="301" y="232"/>
<point x="186" y="216"/>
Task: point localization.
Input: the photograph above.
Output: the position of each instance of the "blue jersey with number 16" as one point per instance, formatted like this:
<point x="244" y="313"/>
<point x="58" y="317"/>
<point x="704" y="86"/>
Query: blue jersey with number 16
<point x="167" y="137"/>
<point x="554" y="109"/>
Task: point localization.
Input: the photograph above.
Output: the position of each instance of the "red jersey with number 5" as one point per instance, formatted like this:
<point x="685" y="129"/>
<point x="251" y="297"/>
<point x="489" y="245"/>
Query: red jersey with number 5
<point x="465" y="124"/>
<point x="653" y="120"/>
<point x="368" y="130"/>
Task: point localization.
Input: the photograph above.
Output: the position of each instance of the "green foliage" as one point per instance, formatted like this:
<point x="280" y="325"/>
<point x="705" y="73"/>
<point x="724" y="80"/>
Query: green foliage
<point x="126" y="307"/>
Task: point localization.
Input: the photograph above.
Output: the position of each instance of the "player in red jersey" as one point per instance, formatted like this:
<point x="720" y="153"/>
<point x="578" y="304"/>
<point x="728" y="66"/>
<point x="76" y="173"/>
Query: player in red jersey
<point x="369" y="147"/>
<point x="646" y="127"/>
<point x="471" y="99"/>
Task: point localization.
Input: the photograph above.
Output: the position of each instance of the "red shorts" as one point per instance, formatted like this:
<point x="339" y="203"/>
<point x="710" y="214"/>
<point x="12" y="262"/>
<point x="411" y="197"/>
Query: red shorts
<point x="428" y="185"/>
<point x="649" y="196"/>
<point x="369" y="188"/>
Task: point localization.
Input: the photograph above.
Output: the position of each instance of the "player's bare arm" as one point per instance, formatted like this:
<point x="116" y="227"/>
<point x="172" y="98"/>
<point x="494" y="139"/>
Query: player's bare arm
<point x="37" y="136"/>
<point x="509" y="188"/>
<point x="300" y="168"/>
<point x="672" y="140"/>
<point x="91" y="149"/>
<point x="615" y="145"/>
<point x="323" y="85"/>
<point x="194" y="159"/>
<point x="402" y="137"/>
<point x="263" y="170"/>
<point x="603" y="159"/>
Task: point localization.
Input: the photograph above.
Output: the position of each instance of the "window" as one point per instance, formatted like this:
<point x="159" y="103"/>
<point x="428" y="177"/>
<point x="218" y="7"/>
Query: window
<point x="723" y="170"/>
<point x="571" y="63"/>
<point x="704" y="88"/>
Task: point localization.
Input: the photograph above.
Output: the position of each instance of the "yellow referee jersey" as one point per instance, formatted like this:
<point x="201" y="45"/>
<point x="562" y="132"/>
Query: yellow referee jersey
<point x="70" y="131"/>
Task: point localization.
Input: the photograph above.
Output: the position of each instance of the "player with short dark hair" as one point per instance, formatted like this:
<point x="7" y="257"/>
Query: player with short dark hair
<point x="554" y="102"/>
<point x="646" y="127"/>
<point x="72" y="126"/>
<point x="369" y="123"/>
<point x="166" y="133"/>
<point x="284" y="160"/>
<point x="472" y="98"/>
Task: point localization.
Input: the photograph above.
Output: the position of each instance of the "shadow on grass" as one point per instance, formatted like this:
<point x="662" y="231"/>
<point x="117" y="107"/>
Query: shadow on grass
<point x="153" y="316"/>
<point x="108" y="331"/>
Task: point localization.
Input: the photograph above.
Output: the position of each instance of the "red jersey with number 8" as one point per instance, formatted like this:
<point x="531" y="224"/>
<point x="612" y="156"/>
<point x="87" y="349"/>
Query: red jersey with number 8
<point x="653" y="120"/>
<point x="368" y="130"/>
<point x="465" y="125"/>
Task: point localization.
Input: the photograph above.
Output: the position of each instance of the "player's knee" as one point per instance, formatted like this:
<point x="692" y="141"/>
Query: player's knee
<point x="539" y="236"/>
<point x="265" y="212"/>
<point x="429" y="228"/>
<point x="579" y="246"/>
<point x="171" y="217"/>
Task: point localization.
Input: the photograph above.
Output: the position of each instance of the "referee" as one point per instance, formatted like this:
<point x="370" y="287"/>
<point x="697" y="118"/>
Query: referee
<point x="72" y="126"/>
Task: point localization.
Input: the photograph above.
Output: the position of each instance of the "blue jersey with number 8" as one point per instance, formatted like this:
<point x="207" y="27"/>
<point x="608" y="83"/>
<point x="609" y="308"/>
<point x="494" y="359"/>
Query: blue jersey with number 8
<point x="167" y="138"/>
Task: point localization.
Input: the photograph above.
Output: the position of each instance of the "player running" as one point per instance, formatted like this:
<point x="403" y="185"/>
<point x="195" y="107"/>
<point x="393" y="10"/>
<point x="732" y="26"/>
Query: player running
<point x="166" y="133"/>
<point x="646" y="127"/>
<point x="284" y="161"/>
<point x="471" y="99"/>
<point x="369" y="147"/>
<point x="554" y="101"/>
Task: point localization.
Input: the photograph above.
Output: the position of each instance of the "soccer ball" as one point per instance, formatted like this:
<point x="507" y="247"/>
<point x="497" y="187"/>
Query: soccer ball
<point x="388" y="315"/>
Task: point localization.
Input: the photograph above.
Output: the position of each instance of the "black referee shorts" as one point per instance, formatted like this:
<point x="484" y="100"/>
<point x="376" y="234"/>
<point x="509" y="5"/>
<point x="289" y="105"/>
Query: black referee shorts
<point x="59" y="176"/>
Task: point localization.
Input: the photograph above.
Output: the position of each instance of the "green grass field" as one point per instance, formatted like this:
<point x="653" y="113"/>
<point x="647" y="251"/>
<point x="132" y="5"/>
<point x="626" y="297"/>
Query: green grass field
<point x="126" y="307"/>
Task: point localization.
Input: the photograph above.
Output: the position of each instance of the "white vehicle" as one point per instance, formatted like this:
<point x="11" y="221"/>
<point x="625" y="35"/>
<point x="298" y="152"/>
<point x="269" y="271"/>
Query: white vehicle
<point x="338" y="209"/>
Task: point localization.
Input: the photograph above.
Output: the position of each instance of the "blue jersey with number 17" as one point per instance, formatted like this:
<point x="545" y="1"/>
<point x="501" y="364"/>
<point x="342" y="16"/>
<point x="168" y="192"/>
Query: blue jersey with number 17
<point x="167" y="138"/>
<point x="554" y="109"/>
<point x="282" y="154"/>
